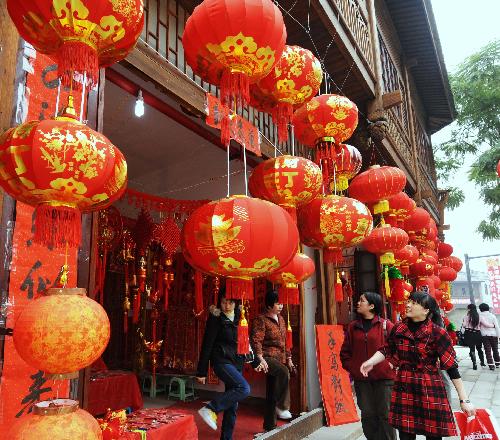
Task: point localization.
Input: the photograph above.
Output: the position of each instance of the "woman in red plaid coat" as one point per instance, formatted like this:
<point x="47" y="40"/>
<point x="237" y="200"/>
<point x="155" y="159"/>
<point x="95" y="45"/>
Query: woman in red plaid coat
<point x="418" y="347"/>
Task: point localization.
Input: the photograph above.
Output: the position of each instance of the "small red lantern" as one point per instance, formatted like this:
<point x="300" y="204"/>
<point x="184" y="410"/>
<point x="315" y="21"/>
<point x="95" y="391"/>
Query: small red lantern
<point x="418" y="220"/>
<point x="436" y="280"/>
<point x="431" y="254"/>
<point x="376" y="185"/>
<point x="80" y="35"/>
<point x="333" y="223"/>
<point x="422" y="268"/>
<point x="447" y="274"/>
<point x="289" y="277"/>
<point x="348" y="162"/>
<point x="295" y="79"/>
<point x="240" y="238"/>
<point x="453" y="262"/>
<point x="444" y="250"/>
<point x="405" y="257"/>
<point x="384" y="241"/>
<point x="233" y="44"/>
<point x="288" y="181"/>
<point x="401" y="207"/>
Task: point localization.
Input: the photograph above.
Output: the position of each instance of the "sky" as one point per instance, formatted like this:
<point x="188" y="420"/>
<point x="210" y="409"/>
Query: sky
<point x="463" y="28"/>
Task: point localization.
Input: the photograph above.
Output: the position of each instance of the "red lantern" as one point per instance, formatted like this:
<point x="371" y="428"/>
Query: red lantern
<point x="347" y="164"/>
<point x="61" y="167"/>
<point x="333" y="223"/>
<point x="431" y="254"/>
<point x="453" y="262"/>
<point x="240" y="238"/>
<point x="376" y="185"/>
<point x="80" y="35"/>
<point x="447" y="274"/>
<point x="288" y="181"/>
<point x="401" y="207"/>
<point x="295" y="79"/>
<point x="289" y="277"/>
<point x="234" y="43"/>
<point x="418" y="220"/>
<point x="444" y="250"/>
<point x="405" y="257"/>
<point x="447" y="306"/>
<point x="384" y="241"/>
<point x="422" y="268"/>
<point x="400" y="290"/>
<point x="436" y="280"/>
<point x="62" y="332"/>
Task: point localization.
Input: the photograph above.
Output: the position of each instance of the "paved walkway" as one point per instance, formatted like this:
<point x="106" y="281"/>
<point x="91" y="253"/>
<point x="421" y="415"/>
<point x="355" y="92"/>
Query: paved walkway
<point x="482" y="386"/>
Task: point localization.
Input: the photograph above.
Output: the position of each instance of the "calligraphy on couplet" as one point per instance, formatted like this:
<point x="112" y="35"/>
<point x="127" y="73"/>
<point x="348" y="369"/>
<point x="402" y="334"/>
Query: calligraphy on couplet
<point x="334" y="380"/>
<point x="494" y="280"/>
<point x="242" y="131"/>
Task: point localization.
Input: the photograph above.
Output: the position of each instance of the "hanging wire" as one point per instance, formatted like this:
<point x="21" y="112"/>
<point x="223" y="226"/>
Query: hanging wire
<point x="57" y="98"/>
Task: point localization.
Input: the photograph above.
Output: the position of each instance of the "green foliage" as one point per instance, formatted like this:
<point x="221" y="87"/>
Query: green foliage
<point x="476" y="89"/>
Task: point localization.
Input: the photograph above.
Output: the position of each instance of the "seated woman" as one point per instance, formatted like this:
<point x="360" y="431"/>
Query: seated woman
<point x="268" y="338"/>
<point x="219" y="346"/>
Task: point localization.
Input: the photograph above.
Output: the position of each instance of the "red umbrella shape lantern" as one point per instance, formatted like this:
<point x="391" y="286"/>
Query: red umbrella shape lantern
<point x="240" y="238"/>
<point x="80" y="35"/>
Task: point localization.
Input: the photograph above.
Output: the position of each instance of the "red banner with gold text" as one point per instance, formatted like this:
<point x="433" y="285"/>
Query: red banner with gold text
<point x="334" y="380"/>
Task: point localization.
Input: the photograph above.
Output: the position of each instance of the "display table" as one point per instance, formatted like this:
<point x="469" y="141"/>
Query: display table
<point x="113" y="389"/>
<point x="162" y="424"/>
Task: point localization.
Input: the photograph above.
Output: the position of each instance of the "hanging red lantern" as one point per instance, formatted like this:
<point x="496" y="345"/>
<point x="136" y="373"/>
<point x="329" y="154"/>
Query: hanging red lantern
<point x="61" y="167"/>
<point x="425" y="237"/>
<point x="288" y="181"/>
<point x="436" y="280"/>
<point x="333" y="223"/>
<point x="401" y="207"/>
<point x="447" y="306"/>
<point x="444" y="250"/>
<point x="405" y="257"/>
<point x="348" y="162"/>
<point x="400" y="290"/>
<point x="447" y="274"/>
<point x="431" y="254"/>
<point x="289" y="277"/>
<point x="422" y="268"/>
<point x="81" y="36"/>
<point x="240" y="238"/>
<point x="453" y="262"/>
<point x="376" y="185"/>
<point x="384" y="240"/>
<point x="233" y="44"/>
<point x="295" y="79"/>
<point x="62" y="332"/>
<point x="418" y="220"/>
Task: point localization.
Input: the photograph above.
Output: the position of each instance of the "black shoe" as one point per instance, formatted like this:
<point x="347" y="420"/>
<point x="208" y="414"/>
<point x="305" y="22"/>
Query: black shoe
<point x="483" y="364"/>
<point x="492" y="368"/>
<point x="474" y="367"/>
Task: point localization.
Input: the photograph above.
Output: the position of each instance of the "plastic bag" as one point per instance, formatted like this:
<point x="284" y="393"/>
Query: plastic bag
<point x="483" y="426"/>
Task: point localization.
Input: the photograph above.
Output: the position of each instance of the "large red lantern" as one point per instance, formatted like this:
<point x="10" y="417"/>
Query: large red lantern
<point x="425" y="237"/>
<point x="240" y="238"/>
<point x="348" y="162"/>
<point x="405" y="257"/>
<point x="289" y="277"/>
<point x="334" y="223"/>
<point x="80" y="35"/>
<point x="288" y="181"/>
<point x="453" y="262"/>
<point x="377" y="184"/>
<point x="447" y="274"/>
<point x="444" y="250"/>
<point x="295" y="79"/>
<point x="62" y="332"/>
<point x="418" y="219"/>
<point x="430" y="253"/>
<point x="384" y="241"/>
<point x="423" y="268"/>
<point x="58" y="419"/>
<point x="62" y="168"/>
<point x="233" y="44"/>
<point x="401" y="207"/>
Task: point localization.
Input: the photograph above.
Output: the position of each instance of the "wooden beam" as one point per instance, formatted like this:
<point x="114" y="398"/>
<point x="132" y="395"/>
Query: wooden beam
<point x="392" y="99"/>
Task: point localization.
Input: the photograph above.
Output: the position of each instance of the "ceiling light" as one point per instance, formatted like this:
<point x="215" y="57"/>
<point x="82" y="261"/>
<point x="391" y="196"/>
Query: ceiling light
<point x="139" y="105"/>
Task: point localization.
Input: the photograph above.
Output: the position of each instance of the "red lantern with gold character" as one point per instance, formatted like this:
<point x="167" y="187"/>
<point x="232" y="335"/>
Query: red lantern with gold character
<point x="288" y="181"/>
<point x="422" y="268"/>
<point x="418" y="220"/>
<point x="295" y="79"/>
<point x="384" y="241"/>
<point x="240" y="238"/>
<point x="348" y="162"/>
<point x="62" y="168"/>
<point x="333" y="223"/>
<point x="401" y="207"/>
<point x="405" y="257"/>
<point x="62" y="332"/>
<point x="80" y="35"/>
<point x="289" y="277"/>
<point x="234" y="43"/>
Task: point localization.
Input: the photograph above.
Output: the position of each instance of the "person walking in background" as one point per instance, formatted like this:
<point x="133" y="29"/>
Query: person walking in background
<point x="472" y="335"/>
<point x="268" y="340"/>
<point x="490" y="333"/>
<point x="415" y="346"/>
<point x="364" y="337"/>
<point x="219" y="346"/>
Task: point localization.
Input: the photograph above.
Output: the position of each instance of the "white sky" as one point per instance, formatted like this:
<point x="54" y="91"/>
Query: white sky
<point x="464" y="27"/>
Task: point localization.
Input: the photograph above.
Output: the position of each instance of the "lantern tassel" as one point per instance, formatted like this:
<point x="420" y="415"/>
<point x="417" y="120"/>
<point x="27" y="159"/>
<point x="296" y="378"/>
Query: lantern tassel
<point x="288" y="294"/>
<point x="57" y="225"/>
<point x="282" y="117"/>
<point x="234" y="89"/>
<point x="333" y="256"/>
<point x="239" y="288"/>
<point x="339" y="292"/>
<point x="387" y="282"/>
<point x="75" y="56"/>
<point x="289" y="334"/>
<point x="198" y="291"/>
<point x="243" y="339"/>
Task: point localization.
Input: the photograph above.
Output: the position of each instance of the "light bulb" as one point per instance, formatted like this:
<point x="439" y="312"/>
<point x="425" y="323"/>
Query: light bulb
<point x="139" y="105"/>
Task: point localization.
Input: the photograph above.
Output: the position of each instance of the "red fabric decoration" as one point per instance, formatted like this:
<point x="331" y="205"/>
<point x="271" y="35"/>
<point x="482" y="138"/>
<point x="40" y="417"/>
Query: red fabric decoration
<point x="81" y="35"/>
<point x="400" y="289"/>
<point x="243" y="338"/>
<point x="339" y="292"/>
<point x="418" y="220"/>
<point x="384" y="241"/>
<point x="333" y="223"/>
<point x="198" y="291"/>
<point x="401" y="207"/>
<point x="295" y="79"/>
<point x="444" y="250"/>
<point x="348" y="162"/>
<point x="447" y="274"/>
<point x="377" y="184"/>
<point x="289" y="277"/>
<point x="289" y="335"/>
<point x="240" y="238"/>
<point x="232" y="44"/>
<point x="405" y="257"/>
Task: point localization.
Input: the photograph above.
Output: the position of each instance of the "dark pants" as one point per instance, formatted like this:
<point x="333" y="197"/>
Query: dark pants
<point x="473" y="347"/>
<point x="408" y="436"/>
<point x="237" y="389"/>
<point x="277" y="391"/>
<point x="374" y="401"/>
<point x="491" y="344"/>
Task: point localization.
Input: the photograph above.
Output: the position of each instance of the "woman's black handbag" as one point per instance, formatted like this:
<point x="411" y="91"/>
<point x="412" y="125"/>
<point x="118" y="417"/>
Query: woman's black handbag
<point x="461" y="338"/>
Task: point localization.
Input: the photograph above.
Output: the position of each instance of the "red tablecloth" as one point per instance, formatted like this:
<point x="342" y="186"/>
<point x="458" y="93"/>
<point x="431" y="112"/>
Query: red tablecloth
<point x="115" y="390"/>
<point x="163" y="424"/>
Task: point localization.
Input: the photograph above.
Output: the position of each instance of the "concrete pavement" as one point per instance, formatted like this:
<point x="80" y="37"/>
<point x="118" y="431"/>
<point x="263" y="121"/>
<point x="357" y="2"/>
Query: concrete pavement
<point x="482" y="386"/>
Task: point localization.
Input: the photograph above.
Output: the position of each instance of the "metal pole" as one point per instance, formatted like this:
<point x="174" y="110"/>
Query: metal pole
<point x="469" y="280"/>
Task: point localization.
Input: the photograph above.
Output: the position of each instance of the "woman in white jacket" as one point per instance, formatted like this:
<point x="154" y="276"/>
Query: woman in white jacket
<point x="490" y="333"/>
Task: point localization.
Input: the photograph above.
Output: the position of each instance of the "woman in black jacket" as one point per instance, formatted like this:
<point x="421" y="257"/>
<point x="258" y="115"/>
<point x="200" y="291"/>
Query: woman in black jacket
<point x="220" y="348"/>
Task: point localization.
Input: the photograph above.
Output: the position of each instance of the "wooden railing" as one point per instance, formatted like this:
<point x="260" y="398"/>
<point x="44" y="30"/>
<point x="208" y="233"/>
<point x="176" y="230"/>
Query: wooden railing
<point x="424" y="148"/>
<point x="398" y="137"/>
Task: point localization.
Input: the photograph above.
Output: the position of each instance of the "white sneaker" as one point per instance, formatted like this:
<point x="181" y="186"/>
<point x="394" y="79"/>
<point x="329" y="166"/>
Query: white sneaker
<point x="209" y="417"/>
<point x="283" y="414"/>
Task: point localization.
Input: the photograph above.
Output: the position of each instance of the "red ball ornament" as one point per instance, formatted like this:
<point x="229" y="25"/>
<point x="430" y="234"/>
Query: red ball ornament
<point x="447" y="274"/>
<point x="444" y="250"/>
<point x="405" y="257"/>
<point x="384" y="241"/>
<point x="241" y="238"/>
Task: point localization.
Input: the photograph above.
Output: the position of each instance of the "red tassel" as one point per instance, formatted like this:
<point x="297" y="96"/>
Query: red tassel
<point x="57" y="226"/>
<point x="339" y="292"/>
<point x="243" y="339"/>
<point x="125" y="322"/>
<point x="288" y="294"/>
<point x="333" y="256"/>
<point x="234" y="89"/>
<point x="289" y="338"/>
<point x="137" y="306"/>
<point x="282" y="117"/>
<point x="75" y="56"/>
<point x="198" y="291"/>
<point x="239" y="288"/>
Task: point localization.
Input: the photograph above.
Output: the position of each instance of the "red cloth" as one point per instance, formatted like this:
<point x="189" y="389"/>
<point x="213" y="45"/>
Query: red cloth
<point x="99" y="365"/>
<point x="162" y="423"/>
<point x="113" y="389"/>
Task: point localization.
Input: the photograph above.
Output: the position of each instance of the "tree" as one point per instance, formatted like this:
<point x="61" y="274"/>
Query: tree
<point x="476" y="89"/>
